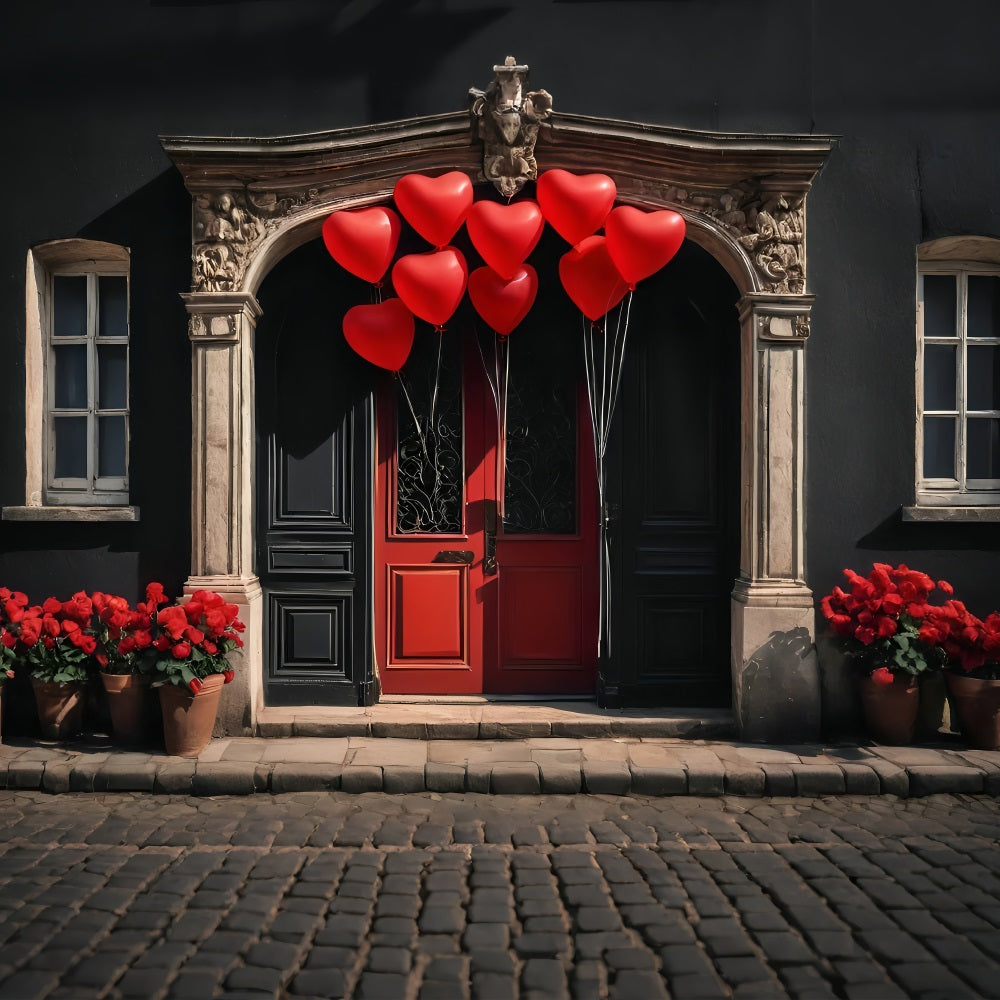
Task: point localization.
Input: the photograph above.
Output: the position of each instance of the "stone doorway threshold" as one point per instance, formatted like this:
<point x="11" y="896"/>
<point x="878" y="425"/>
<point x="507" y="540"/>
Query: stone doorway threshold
<point x="471" y="717"/>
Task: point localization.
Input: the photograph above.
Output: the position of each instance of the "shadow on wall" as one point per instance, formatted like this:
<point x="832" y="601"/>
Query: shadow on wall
<point x="779" y="695"/>
<point x="896" y="535"/>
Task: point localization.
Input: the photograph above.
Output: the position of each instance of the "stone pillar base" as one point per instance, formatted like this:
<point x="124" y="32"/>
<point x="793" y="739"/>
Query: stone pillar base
<point x="242" y="699"/>
<point x="776" y="684"/>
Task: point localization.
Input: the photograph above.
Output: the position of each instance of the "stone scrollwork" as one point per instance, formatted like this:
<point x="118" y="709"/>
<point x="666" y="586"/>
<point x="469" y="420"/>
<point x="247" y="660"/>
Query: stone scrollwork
<point x="507" y="119"/>
<point x="227" y="228"/>
<point x="769" y="225"/>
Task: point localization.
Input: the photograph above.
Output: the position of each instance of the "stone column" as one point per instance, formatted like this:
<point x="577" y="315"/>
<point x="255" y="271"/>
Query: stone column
<point x="776" y="690"/>
<point x="221" y="326"/>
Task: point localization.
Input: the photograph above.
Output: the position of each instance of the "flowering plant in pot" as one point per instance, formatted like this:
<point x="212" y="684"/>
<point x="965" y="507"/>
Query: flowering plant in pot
<point x="972" y="648"/>
<point x="191" y="666"/>
<point x="878" y="620"/>
<point x="55" y="642"/>
<point x="125" y="655"/>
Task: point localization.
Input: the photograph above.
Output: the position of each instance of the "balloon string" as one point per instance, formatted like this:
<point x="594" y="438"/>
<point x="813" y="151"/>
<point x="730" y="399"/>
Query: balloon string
<point x="437" y="380"/>
<point x="416" y="423"/>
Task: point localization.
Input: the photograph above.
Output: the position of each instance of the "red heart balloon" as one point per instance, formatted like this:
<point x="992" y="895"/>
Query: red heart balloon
<point x="590" y="277"/>
<point x="504" y="235"/>
<point x="503" y="302"/>
<point x="431" y="284"/>
<point x="640" y="243"/>
<point x="434" y="206"/>
<point x="381" y="333"/>
<point x="363" y="240"/>
<point x="575" y="205"/>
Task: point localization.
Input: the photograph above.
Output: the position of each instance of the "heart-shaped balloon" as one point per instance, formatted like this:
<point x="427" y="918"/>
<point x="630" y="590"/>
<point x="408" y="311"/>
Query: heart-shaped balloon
<point x="434" y="206"/>
<point x="575" y="205"/>
<point x="363" y="241"/>
<point x="640" y="243"/>
<point x="590" y="277"/>
<point x="431" y="284"/>
<point x="504" y="235"/>
<point x="503" y="302"/>
<point x="381" y="333"/>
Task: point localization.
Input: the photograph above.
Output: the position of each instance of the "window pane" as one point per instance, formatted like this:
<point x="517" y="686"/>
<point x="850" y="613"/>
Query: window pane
<point x="984" y="306"/>
<point x="70" y="376"/>
<point x="939" y="448"/>
<point x="69" y="307"/>
<point x="71" y="447"/>
<point x="112" y="376"/>
<point x="939" y="377"/>
<point x="983" y="378"/>
<point x="982" y="460"/>
<point x="111" y="441"/>
<point x="112" y="307"/>
<point x="939" y="305"/>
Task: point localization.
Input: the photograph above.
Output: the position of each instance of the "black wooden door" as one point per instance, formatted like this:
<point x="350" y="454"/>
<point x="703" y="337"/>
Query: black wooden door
<point x="674" y="491"/>
<point x="314" y="473"/>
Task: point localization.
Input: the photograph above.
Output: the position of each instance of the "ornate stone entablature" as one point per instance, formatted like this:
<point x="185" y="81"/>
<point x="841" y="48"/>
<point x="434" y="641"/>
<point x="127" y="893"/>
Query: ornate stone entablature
<point x="742" y="195"/>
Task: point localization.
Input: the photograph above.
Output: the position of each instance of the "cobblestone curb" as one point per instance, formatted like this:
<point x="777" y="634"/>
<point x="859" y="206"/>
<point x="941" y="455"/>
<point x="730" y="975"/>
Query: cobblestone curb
<point x="891" y="771"/>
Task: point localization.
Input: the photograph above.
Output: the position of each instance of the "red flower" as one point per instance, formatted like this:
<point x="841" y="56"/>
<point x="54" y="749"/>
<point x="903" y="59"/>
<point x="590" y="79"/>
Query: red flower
<point x="161" y="642"/>
<point x="51" y="606"/>
<point x="946" y="587"/>
<point x="126" y="646"/>
<point x="181" y="651"/>
<point x="882" y="676"/>
<point x="228" y="676"/>
<point x="195" y="685"/>
<point x="102" y="659"/>
<point x="142" y="638"/>
<point x="173" y="621"/>
<point x="194" y="635"/>
<point x="8" y="639"/>
<point x="31" y="629"/>
<point x="210" y="647"/>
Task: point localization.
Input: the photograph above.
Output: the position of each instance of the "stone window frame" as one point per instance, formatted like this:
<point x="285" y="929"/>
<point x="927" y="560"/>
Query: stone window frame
<point x="961" y="256"/>
<point x="42" y="503"/>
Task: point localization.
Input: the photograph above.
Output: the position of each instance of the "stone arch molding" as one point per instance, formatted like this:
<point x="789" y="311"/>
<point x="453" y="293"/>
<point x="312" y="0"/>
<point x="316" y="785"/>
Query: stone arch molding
<point x="743" y="197"/>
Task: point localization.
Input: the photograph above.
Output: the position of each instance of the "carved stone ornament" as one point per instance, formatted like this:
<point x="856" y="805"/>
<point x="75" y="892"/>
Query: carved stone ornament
<point x="769" y="225"/>
<point x="228" y="226"/>
<point x="507" y="119"/>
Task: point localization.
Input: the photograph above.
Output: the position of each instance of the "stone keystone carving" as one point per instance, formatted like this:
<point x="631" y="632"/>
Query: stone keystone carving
<point x="506" y="120"/>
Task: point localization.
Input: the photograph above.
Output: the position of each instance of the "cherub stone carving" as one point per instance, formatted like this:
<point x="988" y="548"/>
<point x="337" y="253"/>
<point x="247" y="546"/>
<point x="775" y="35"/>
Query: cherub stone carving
<point x="506" y="120"/>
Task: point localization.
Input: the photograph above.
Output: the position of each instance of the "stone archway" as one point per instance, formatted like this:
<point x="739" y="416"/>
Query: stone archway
<point x="743" y="197"/>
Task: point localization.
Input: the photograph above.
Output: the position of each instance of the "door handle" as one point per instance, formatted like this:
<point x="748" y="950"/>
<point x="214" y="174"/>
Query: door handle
<point x="489" y="537"/>
<point x="455" y="556"/>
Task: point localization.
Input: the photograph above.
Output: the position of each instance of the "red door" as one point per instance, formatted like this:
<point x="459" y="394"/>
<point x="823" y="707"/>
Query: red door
<point x="486" y="573"/>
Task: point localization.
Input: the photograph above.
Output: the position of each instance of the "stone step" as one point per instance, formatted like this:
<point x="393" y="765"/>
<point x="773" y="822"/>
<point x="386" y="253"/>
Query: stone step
<point x="441" y="717"/>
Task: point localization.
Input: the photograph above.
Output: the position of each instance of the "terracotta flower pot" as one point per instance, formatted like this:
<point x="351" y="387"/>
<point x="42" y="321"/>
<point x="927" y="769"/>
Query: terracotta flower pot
<point x="188" y="719"/>
<point x="60" y="709"/>
<point x="128" y="701"/>
<point x="891" y="709"/>
<point x="977" y="705"/>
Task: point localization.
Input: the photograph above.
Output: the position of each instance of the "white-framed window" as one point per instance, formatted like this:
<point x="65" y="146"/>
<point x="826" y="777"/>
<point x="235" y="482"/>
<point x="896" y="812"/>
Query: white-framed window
<point x="76" y="383"/>
<point x="958" y="373"/>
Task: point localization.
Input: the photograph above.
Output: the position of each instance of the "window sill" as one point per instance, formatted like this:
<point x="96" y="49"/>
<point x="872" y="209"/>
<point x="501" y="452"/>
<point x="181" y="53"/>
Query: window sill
<point x="70" y="514"/>
<point x="952" y="515"/>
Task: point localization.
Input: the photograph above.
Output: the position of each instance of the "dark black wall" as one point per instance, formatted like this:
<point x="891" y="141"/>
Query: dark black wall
<point x="912" y="89"/>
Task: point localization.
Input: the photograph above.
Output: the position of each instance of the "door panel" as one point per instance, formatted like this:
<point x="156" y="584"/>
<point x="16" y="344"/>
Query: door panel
<point x="674" y="490"/>
<point x="448" y="620"/>
<point x="313" y="431"/>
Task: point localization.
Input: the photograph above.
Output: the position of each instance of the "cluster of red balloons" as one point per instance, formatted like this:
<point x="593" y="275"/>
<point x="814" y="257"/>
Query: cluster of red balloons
<point x="596" y="273"/>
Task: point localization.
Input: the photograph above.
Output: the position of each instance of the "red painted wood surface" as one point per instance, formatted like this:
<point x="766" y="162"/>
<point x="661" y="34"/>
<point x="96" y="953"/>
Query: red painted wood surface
<point x="452" y="629"/>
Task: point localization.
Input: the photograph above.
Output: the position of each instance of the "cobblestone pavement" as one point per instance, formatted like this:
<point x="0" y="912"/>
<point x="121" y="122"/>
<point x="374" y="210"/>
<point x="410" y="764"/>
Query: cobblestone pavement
<point x="425" y="896"/>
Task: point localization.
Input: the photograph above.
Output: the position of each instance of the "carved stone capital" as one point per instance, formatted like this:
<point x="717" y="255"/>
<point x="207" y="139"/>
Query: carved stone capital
<point x="220" y="316"/>
<point x="227" y="227"/>
<point x="780" y="318"/>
